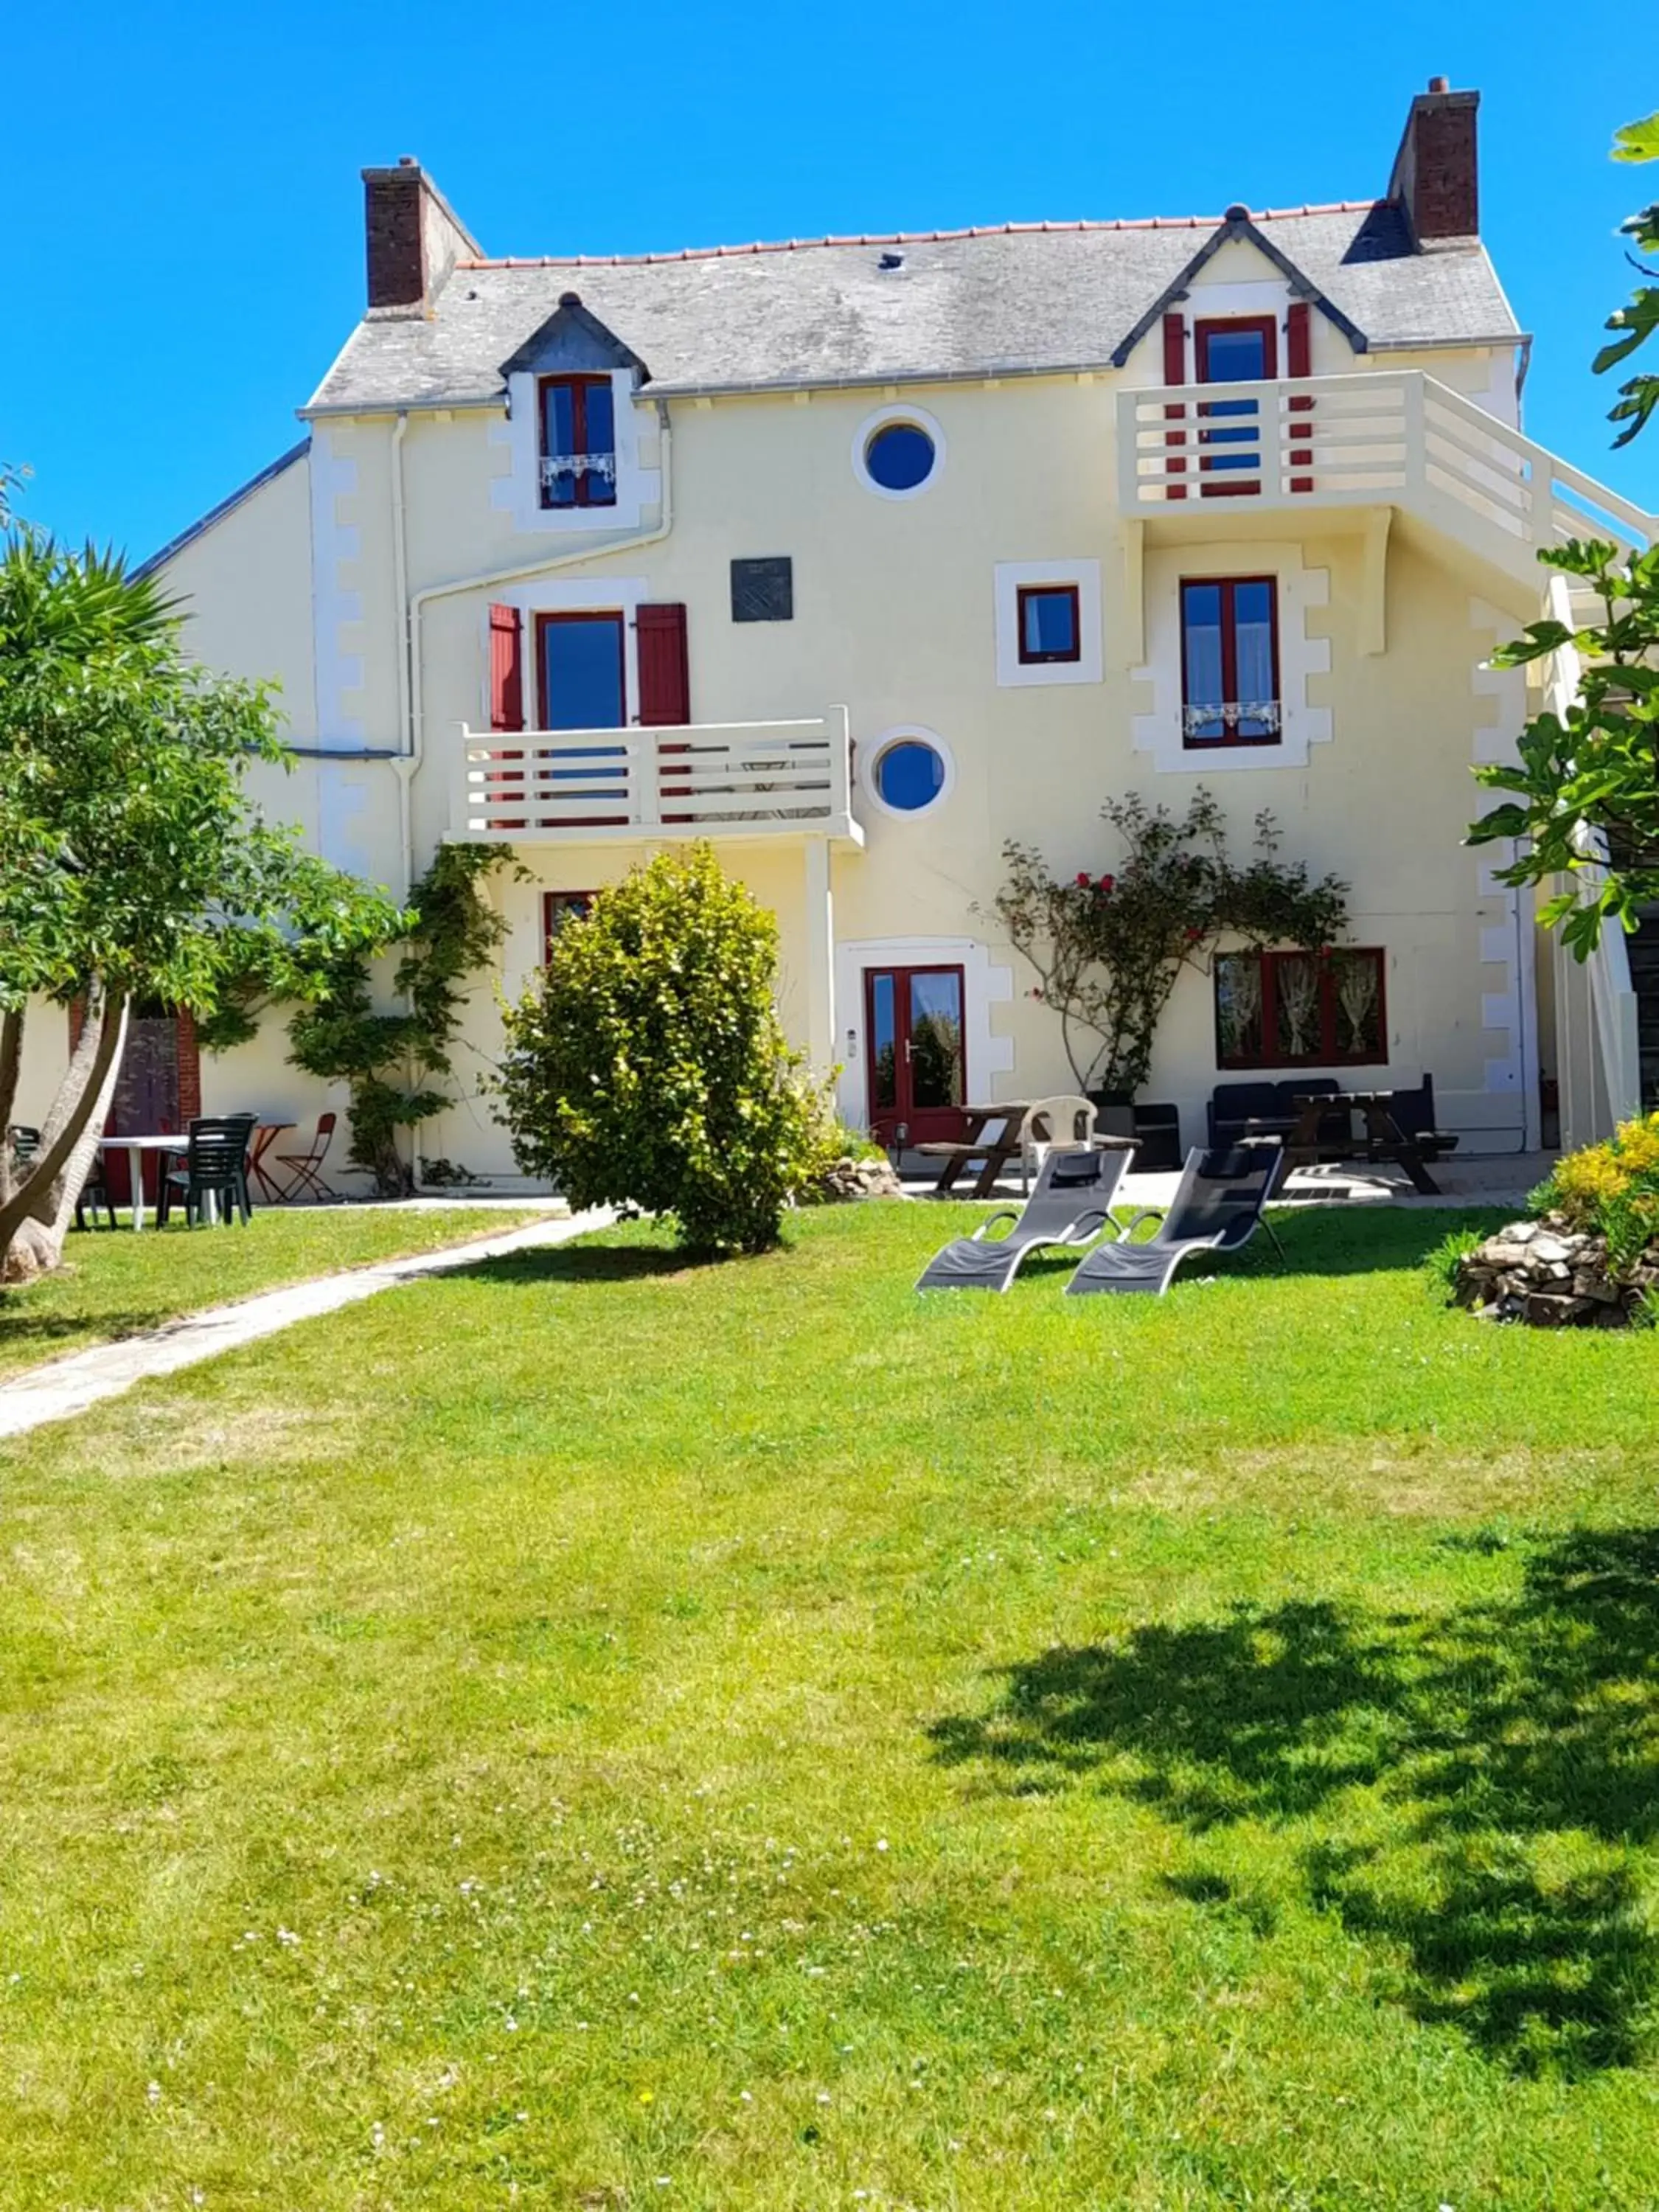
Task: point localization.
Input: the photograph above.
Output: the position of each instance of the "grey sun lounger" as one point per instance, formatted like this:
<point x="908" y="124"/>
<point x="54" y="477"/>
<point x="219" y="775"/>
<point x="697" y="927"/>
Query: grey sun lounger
<point x="1071" y="1202"/>
<point x="1219" y="1203"/>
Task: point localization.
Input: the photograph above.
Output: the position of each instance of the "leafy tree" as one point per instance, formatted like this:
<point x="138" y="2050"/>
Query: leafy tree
<point x="131" y="864"/>
<point x="1107" y="949"/>
<point x="1586" y="804"/>
<point x="1587" y="783"/>
<point x="647" y="1068"/>
<point x="1635" y="324"/>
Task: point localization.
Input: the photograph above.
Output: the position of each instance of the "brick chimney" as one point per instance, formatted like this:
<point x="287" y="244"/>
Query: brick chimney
<point x="414" y="238"/>
<point x="1436" y="173"/>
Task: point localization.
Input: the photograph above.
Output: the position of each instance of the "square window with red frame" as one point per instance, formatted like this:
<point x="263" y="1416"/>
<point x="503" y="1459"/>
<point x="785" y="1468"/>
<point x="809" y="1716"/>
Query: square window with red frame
<point x="1229" y="661"/>
<point x="557" y="908"/>
<point x="1301" y="1009"/>
<point x="1050" y="622"/>
<point x="577" y="441"/>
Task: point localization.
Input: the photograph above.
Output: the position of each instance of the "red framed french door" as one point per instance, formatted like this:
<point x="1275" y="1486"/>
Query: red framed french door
<point x="158" y="1092"/>
<point x="916" y="1063"/>
<point x="581" y="669"/>
<point x="1243" y="350"/>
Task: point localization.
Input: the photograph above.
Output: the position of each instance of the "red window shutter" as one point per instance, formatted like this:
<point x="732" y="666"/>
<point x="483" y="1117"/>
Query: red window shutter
<point x="665" y="669"/>
<point x="505" y="669"/>
<point x="1175" y="371"/>
<point x="1298" y="362"/>
<point x="1174" y="350"/>
<point x="1298" y="345"/>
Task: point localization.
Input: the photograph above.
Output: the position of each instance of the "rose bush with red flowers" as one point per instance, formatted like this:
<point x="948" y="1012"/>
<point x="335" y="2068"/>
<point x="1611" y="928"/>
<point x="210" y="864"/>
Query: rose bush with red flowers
<point x="1107" y="949"/>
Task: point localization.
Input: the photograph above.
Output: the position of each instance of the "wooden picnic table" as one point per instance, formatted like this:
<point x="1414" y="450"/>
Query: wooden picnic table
<point x="996" y="1152"/>
<point x="1384" y="1139"/>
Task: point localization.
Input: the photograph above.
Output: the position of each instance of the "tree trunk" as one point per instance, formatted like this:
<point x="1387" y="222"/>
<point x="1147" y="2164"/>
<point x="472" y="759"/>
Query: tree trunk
<point x="34" y="1218"/>
<point x="11" y="1061"/>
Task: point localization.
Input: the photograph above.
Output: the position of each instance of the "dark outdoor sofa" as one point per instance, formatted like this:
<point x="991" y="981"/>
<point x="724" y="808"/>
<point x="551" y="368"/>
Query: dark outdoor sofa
<point x="1271" y="1107"/>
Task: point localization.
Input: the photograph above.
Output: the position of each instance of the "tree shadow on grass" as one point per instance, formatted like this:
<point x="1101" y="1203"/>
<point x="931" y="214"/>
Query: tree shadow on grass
<point x="1349" y="1240"/>
<point x="1512" y="1748"/>
<point x="52" y="1333"/>
<point x="585" y="1263"/>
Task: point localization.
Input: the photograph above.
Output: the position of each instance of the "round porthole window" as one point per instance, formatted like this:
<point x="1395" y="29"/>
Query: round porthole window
<point x="899" y="456"/>
<point x="909" y="771"/>
<point x="899" y="452"/>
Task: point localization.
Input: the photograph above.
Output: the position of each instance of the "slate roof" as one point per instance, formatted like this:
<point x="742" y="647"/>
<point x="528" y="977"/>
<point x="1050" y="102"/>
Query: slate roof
<point x="1019" y="298"/>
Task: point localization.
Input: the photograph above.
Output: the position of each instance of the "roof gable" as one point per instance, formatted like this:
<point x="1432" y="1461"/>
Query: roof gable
<point x="572" y="339"/>
<point x="1238" y="223"/>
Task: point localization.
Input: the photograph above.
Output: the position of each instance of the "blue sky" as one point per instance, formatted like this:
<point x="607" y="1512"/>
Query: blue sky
<point x="184" y="214"/>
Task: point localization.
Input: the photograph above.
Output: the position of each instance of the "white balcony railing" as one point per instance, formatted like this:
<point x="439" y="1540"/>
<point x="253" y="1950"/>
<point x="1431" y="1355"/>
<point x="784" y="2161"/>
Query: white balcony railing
<point x="751" y="779"/>
<point x="1344" y="440"/>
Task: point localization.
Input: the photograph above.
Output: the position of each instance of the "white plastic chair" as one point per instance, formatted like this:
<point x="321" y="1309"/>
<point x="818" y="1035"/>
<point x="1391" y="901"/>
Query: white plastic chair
<point x="1053" y="1125"/>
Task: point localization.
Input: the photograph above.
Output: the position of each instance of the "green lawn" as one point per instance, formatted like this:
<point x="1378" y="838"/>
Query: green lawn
<point x="117" y="1284"/>
<point x="599" y="1732"/>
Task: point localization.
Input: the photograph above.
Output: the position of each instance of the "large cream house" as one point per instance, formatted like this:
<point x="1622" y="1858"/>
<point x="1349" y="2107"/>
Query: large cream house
<point x="860" y="556"/>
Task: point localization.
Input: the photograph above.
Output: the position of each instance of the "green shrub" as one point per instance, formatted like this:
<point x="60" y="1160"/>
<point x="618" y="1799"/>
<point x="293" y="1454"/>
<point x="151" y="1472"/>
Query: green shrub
<point x="1628" y="1221"/>
<point x="1543" y="1198"/>
<point x="829" y="1143"/>
<point x="1440" y="1266"/>
<point x="833" y="1140"/>
<point x="645" y="1067"/>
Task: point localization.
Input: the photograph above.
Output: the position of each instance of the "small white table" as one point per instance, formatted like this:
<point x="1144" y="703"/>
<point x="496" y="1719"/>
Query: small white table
<point x="134" y="1148"/>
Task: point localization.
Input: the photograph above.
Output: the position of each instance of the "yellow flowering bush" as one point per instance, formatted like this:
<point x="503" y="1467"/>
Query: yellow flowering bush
<point x="1586" y="1182"/>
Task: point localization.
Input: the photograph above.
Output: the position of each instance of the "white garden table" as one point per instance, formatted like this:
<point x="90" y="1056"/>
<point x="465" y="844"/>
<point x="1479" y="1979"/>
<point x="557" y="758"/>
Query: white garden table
<point x="134" y="1148"/>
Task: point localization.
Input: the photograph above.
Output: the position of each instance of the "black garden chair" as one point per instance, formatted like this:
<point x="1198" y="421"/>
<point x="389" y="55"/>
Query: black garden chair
<point x="215" y="1168"/>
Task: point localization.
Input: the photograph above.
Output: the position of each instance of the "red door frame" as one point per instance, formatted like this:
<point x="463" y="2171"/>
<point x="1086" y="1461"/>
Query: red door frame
<point x="1202" y="333"/>
<point x="1225" y="483"/>
<point x="926" y="1124"/>
<point x="544" y="623"/>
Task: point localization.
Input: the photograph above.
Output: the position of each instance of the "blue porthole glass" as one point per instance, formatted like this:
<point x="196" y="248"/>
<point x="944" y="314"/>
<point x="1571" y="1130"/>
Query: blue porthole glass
<point x="899" y="457"/>
<point x="910" y="775"/>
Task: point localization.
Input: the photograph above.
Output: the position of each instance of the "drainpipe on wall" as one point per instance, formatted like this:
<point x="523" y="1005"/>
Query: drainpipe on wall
<point x="410" y="609"/>
<point x="400" y="594"/>
<point x="403" y="764"/>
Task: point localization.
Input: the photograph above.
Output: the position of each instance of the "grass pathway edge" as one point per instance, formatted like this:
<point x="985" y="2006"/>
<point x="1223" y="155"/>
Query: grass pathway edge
<point x="62" y="1388"/>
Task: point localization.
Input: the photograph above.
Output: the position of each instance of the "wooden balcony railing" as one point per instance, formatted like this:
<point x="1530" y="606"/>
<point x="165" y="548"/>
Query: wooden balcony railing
<point x="1400" y="437"/>
<point x="733" y="780"/>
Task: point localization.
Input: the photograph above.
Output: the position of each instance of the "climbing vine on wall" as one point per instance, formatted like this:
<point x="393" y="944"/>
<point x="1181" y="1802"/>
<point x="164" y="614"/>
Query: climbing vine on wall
<point x="1107" y="948"/>
<point x="394" y="1063"/>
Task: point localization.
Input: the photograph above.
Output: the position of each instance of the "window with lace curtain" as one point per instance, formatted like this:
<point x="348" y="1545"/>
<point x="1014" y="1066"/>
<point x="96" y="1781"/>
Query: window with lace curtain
<point x="1229" y="661"/>
<point x="1300" y="1009"/>
<point x="577" y="441"/>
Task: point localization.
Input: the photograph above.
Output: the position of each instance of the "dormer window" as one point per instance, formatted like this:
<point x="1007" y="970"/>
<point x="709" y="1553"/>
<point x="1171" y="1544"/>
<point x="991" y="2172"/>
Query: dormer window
<point x="577" y="441"/>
